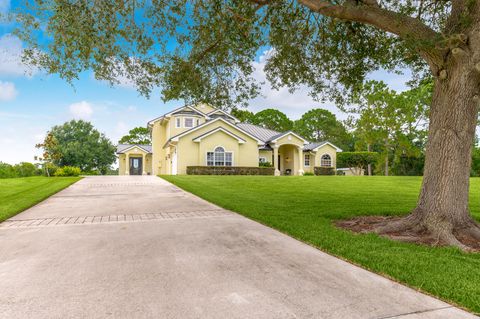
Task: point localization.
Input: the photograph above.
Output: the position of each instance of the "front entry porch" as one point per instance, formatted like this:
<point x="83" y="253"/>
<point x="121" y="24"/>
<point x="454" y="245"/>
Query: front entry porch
<point x="288" y="159"/>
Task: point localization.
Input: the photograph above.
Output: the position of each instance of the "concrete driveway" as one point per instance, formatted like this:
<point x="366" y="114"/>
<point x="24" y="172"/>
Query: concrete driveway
<point x="138" y="247"/>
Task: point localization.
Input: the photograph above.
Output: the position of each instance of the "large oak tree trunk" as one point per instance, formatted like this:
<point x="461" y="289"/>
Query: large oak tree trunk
<point x="442" y="208"/>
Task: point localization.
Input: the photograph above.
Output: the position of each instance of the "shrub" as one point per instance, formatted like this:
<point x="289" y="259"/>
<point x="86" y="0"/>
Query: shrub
<point x="308" y="174"/>
<point x="229" y="170"/>
<point x="68" y="171"/>
<point x="265" y="164"/>
<point x="50" y="168"/>
<point x="324" y="170"/>
<point x="25" y="169"/>
<point x="7" y="170"/>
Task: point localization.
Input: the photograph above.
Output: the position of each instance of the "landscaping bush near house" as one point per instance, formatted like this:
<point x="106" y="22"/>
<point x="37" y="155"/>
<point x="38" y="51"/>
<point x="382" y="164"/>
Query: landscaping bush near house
<point x="67" y="171"/>
<point x="324" y="170"/>
<point x="229" y="170"/>
<point x="265" y="164"/>
<point x="308" y="174"/>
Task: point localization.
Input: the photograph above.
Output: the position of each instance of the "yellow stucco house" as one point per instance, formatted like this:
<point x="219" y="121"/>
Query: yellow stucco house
<point x="201" y="135"/>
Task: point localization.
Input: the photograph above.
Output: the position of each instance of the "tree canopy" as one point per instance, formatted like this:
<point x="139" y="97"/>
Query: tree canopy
<point x="203" y="50"/>
<point x="273" y="119"/>
<point x="80" y="144"/>
<point x="322" y="125"/>
<point x="137" y="135"/>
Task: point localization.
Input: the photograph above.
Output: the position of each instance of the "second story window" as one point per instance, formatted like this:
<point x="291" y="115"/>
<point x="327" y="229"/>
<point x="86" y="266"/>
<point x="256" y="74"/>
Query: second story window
<point x="178" y="122"/>
<point x="188" y="122"/>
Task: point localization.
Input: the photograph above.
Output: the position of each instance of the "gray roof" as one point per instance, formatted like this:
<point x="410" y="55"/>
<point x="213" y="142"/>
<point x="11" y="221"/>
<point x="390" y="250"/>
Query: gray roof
<point x="122" y="147"/>
<point x="314" y="145"/>
<point x="263" y="134"/>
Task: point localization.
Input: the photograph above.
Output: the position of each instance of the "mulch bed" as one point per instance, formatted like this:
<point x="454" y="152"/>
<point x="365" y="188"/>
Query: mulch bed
<point x="366" y="224"/>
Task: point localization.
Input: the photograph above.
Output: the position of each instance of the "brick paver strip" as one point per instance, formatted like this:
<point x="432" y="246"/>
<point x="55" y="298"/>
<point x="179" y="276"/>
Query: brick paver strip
<point x="81" y="220"/>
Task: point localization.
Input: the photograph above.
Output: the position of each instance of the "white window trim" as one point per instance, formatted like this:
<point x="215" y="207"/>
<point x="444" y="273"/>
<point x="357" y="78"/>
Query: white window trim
<point x="185" y="122"/>
<point x="225" y="152"/>
<point x="331" y="160"/>
<point x="304" y="160"/>
<point x="177" y="120"/>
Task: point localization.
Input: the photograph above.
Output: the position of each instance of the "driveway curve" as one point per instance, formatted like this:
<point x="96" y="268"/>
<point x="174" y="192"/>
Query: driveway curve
<point x="139" y="247"/>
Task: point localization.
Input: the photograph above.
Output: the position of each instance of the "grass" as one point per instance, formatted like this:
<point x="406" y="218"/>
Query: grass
<point x="18" y="194"/>
<point x="305" y="208"/>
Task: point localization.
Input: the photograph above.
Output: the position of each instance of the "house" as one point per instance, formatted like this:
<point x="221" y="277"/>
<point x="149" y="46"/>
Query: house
<point x="201" y="135"/>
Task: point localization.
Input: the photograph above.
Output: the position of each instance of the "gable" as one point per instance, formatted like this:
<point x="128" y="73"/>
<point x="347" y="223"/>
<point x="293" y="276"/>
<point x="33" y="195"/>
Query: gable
<point x="204" y="108"/>
<point x="289" y="138"/>
<point x="216" y="132"/>
<point x="213" y="124"/>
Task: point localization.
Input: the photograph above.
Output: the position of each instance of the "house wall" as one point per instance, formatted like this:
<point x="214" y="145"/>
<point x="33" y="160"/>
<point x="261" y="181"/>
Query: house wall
<point x="312" y="162"/>
<point x="205" y="108"/>
<point x="159" y="138"/>
<point x="190" y="153"/>
<point x="326" y="149"/>
<point x="174" y="130"/>
<point x="267" y="154"/>
<point x="290" y="139"/>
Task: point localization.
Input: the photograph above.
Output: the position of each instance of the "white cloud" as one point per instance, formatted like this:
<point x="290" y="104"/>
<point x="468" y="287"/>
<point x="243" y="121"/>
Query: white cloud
<point x="4" y="6"/>
<point x="81" y="110"/>
<point x="11" y="50"/>
<point x="8" y="91"/>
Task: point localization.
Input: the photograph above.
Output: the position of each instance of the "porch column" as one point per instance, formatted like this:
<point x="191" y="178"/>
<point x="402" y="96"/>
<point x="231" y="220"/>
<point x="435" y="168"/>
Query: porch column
<point x="301" y="159"/>
<point x="127" y="164"/>
<point x="275" y="160"/>
<point x="143" y="164"/>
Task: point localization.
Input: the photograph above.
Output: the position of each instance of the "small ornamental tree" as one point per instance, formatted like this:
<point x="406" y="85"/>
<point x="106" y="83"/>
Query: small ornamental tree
<point x="359" y="160"/>
<point x="51" y="152"/>
<point x="202" y="50"/>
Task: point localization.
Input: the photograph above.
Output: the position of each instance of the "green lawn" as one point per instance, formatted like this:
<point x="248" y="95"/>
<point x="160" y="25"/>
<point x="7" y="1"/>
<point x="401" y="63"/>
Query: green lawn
<point x="305" y="207"/>
<point x="18" y="194"/>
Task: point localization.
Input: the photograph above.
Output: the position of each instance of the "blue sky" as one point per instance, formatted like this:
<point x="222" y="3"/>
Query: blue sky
<point x="32" y="102"/>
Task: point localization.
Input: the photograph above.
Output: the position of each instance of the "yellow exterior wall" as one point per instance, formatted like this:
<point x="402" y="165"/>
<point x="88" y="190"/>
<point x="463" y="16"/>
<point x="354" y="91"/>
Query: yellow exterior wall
<point x="190" y="153"/>
<point x="204" y="108"/>
<point x="267" y="154"/>
<point x="290" y="139"/>
<point x="159" y="138"/>
<point x="312" y="162"/>
<point x="174" y="130"/>
<point x="326" y="149"/>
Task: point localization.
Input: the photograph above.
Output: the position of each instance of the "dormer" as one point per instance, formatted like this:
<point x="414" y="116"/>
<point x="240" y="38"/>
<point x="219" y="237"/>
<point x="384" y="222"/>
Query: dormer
<point x="217" y="113"/>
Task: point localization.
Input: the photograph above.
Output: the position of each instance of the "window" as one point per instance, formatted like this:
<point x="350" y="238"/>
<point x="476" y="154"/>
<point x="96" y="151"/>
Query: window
<point x="326" y="161"/>
<point x="210" y="158"/>
<point x="219" y="157"/>
<point x="198" y="122"/>
<point x="188" y="122"/>
<point x="262" y="159"/>
<point x="307" y="160"/>
<point x="178" y="122"/>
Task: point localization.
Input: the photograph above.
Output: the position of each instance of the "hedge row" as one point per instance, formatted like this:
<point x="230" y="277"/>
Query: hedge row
<point x="324" y="170"/>
<point x="229" y="170"/>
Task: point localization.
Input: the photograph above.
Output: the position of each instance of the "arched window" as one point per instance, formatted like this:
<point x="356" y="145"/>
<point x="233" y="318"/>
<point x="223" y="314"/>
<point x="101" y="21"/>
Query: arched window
<point x="326" y="161"/>
<point x="219" y="157"/>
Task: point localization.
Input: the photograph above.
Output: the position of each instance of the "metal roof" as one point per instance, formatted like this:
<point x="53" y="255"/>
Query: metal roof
<point x="263" y="134"/>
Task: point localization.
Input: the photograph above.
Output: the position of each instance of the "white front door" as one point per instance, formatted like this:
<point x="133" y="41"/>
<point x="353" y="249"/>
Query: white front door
<point x="174" y="163"/>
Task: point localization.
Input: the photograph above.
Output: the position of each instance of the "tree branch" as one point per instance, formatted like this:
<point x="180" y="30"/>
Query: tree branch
<point x="406" y="27"/>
